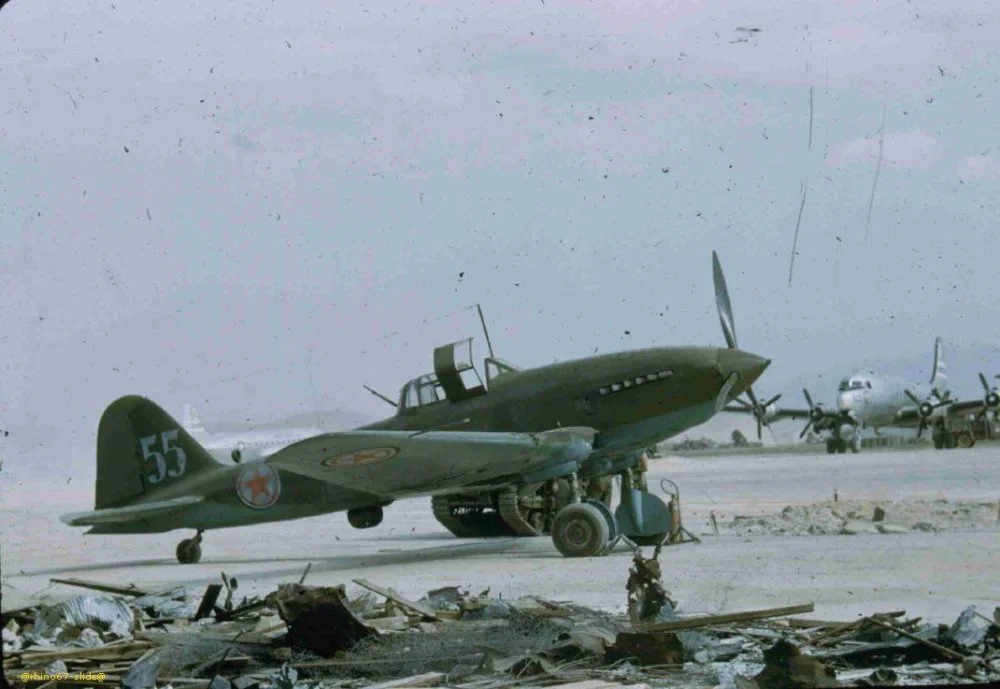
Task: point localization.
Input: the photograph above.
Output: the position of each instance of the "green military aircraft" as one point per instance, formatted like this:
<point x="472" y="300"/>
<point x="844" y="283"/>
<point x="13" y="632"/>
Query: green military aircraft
<point x="515" y="467"/>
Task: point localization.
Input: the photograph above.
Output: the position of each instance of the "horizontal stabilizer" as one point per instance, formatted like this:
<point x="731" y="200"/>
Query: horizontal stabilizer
<point x="132" y="513"/>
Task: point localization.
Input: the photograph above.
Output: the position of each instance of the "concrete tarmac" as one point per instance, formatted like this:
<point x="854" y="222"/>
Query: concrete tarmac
<point x="934" y="575"/>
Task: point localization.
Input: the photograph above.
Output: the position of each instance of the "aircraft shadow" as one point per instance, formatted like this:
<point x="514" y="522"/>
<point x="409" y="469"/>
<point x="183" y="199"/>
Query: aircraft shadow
<point x="320" y="563"/>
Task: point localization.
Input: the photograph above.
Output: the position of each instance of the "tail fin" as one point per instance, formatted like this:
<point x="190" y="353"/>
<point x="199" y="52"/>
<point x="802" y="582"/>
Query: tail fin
<point x="939" y="376"/>
<point x="142" y="450"/>
<point x="192" y="422"/>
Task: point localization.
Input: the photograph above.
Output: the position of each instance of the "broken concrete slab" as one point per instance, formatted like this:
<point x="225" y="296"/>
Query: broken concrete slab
<point x="855" y="527"/>
<point x="886" y="527"/>
<point x="969" y="629"/>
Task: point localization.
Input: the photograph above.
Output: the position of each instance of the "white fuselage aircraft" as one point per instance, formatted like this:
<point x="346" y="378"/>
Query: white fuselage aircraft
<point x="245" y="446"/>
<point x="871" y="400"/>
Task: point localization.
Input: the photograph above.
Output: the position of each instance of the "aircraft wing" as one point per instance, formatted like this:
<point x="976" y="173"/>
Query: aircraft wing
<point x="908" y="416"/>
<point x="400" y="463"/>
<point x="773" y="416"/>
<point x="131" y="513"/>
<point x="966" y="407"/>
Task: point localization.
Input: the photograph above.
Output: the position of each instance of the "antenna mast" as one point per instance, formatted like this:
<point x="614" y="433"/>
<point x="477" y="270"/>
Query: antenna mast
<point x="486" y="332"/>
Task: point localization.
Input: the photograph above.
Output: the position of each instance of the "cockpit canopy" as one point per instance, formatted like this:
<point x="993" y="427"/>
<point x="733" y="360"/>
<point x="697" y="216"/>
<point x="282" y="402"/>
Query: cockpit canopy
<point x="854" y="383"/>
<point x="454" y="379"/>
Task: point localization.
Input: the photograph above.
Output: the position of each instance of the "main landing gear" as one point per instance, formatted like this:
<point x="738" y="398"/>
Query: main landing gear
<point x="189" y="550"/>
<point x="945" y="439"/>
<point x="839" y="445"/>
<point x="585" y="528"/>
<point x="575" y="512"/>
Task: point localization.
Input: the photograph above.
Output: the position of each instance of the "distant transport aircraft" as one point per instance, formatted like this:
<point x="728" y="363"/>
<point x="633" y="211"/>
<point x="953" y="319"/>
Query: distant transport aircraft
<point x="871" y="400"/>
<point x="243" y="446"/>
<point x="552" y="426"/>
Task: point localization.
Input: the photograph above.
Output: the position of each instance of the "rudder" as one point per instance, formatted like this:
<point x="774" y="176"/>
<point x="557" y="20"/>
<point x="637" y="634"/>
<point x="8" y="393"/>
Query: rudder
<point x="939" y="376"/>
<point x="193" y="423"/>
<point x="142" y="449"/>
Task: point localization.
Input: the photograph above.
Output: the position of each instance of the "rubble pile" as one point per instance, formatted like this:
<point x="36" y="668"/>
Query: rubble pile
<point x="316" y="636"/>
<point x="853" y="517"/>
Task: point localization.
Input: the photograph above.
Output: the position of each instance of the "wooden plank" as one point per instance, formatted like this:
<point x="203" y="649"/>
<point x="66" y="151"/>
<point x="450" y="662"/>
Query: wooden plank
<point x="109" y="652"/>
<point x="929" y="644"/>
<point x="129" y="590"/>
<point x="396" y="598"/>
<point x="425" y="680"/>
<point x="801" y="623"/>
<point x="208" y="601"/>
<point x="695" y="622"/>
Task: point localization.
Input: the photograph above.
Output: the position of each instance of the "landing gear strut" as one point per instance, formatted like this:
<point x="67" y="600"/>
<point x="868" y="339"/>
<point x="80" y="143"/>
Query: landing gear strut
<point x="189" y="550"/>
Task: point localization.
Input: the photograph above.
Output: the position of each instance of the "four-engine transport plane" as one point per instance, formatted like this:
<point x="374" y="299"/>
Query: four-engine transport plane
<point x="246" y="445"/>
<point x="567" y="421"/>
<point x="870" y="400"/>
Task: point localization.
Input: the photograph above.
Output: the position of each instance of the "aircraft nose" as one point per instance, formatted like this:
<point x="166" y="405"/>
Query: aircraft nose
<point x="748" y="366"/>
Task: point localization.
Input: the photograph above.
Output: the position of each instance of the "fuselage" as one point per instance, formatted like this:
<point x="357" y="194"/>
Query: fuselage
<point x="252" y="445"/>
<point x="875" y="400"/>
<point x="633" y="399"/>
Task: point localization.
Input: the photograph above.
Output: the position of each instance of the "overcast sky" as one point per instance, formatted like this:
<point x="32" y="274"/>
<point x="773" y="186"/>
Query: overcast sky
<point x="259" y="207"/>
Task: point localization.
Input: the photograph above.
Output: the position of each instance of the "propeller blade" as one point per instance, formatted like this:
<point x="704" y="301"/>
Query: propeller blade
<point x="722" y="302"/>
<point x="920" y="429"/>
<point x="743" y="404"/>
<point x="760" y="429"/>
<point x="913" y="398"/>
<point x="986" y="386"/>
<point x="808" y="398"/>
<point x="772" y="401"/>
<point x="805" y="430"/>
<point x="771" y="431"/>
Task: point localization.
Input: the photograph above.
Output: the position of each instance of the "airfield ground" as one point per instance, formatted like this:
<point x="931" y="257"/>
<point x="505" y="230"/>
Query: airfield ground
<point x="934" y="574"/>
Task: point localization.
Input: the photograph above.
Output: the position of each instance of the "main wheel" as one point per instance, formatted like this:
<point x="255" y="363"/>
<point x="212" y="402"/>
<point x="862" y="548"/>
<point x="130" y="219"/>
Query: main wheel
<point x="579" y="530"/>
<point x="365" y="517"/>
<point x="831" y="447"/>
<point x="966" y="440"/>
<point x="950" y="442"/>
<point x="188" y="551"/>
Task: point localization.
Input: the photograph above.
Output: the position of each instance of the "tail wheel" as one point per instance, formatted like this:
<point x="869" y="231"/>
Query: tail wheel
<point x="188" y="551"/>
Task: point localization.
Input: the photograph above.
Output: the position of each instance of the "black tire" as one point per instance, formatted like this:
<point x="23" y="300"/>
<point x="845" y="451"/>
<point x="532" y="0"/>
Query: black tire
<point x="579" y="530"/>
<point x="188" y="551"/>
<point x="365" y="517"/>
<point x="830" y="447"/>
<point x="966" y="440"/>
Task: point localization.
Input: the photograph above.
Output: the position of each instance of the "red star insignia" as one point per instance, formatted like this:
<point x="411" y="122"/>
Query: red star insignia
<point x="258" y="485"/>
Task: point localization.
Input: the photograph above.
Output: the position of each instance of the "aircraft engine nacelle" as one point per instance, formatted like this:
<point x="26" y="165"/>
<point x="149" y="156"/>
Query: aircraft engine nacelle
<point x="926" y="409"/>
<point x="770" y="414"/>
<point x="817" y="413"/>
<point x="993" y="399"/>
